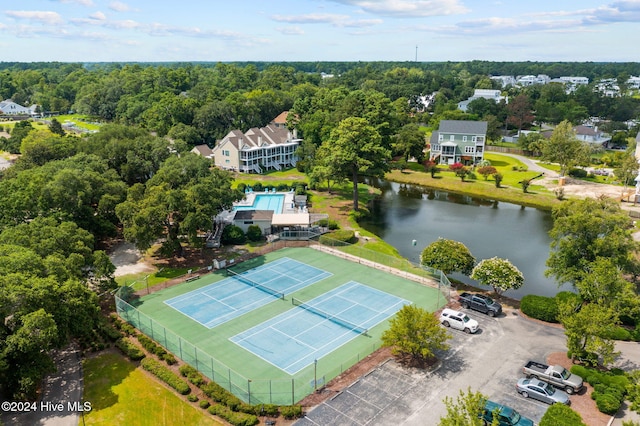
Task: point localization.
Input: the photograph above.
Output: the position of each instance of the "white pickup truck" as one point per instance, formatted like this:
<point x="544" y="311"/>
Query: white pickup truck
<point x="554" y="374"/>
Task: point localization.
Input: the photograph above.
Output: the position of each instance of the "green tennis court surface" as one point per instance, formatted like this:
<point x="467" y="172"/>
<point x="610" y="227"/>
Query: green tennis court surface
<point x="248" y="374"/>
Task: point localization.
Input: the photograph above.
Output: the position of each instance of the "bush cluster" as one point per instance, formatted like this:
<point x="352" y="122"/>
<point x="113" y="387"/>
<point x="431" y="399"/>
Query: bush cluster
<point x="157" y="350"/>
<point x="130" y="350"/>
<point x="124" y="327"/>
<point x="166" y="375"/>
<point x="540" y="307"/>
<point x="291" y="411"/>
<point x="343" y="235"/>
<point x="578" y="173"/>
<point x="547" y="308"/>
<point x="560" y="414"/>
<point x="192" y="375"/>
<point x="329" y="223"/>
<point x="236" y="419"/>
<point x="609" y="387"/>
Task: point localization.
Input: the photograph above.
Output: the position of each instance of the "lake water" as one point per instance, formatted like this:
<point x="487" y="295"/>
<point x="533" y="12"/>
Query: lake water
<point x="404" y="213"/>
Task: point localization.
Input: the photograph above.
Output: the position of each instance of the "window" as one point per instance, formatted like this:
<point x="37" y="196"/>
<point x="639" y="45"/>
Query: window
<point x="464" y="138"/>
<point x="225" y="152"/>
<point x="435" y="147"/>
<point x="448" y="150"/>
<point x="248" y="222"/>
<point x="440" y="138"/>
<point x="227" y="161"/>
<point x="452" y="138"/>
<point x="469" y="149"/>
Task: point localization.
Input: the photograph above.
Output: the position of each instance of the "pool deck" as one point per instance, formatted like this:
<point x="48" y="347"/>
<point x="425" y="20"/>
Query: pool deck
<point x="288" y="205"/>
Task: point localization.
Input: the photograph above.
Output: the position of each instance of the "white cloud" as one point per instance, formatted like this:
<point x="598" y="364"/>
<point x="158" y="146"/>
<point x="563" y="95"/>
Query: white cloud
<point x="80" y="2"/>
<point x="98" y="16"/>
<point x="44" y="17"/>
<point x="408" y="8"/>
<point x="119" y="6"/>
<point x="327" y="18"/>
<point x="290" y="30"/>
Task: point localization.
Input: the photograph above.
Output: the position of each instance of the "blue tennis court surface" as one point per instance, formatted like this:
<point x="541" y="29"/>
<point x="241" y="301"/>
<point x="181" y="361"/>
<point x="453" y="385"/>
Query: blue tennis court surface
<point x="220" y="302"/>
<point x="293" y="340"/>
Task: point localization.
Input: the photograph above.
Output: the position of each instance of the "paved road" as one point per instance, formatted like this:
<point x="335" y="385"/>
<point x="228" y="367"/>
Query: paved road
<point x="490" y="362"/>
<point x="62" y="387"/>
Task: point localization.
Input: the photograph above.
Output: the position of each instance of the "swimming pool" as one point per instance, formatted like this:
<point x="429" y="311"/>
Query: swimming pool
<point x="272" y="202"/>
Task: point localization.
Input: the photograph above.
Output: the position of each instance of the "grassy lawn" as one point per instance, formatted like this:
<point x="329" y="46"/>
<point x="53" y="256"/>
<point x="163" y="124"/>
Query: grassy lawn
<point x="138" y="281"/>
<point x="121" y="394"/>
<point x="80" y="120"/>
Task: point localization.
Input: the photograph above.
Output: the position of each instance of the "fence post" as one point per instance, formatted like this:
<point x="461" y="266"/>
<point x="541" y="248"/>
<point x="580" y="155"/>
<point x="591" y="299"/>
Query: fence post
<point x="293" y="393"/>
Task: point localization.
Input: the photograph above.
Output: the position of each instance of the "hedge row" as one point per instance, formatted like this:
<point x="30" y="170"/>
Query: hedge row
<point x="236" y="419"/>
<point x="133" y="352"/>
<point x="192" y="375"/>
<point x="156" y="349"/>
<point x="546" y="308"/>
<point x="609" y="388"/>
<point x="166" y="375"/>
<point x="344" y="235"/>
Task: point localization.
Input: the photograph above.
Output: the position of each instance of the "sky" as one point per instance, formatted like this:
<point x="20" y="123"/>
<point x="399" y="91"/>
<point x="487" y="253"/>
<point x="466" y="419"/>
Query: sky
<point x="319" y="30"/>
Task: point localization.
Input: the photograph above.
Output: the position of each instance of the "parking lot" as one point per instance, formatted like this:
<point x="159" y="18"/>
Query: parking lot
<point x="490" y="362"/>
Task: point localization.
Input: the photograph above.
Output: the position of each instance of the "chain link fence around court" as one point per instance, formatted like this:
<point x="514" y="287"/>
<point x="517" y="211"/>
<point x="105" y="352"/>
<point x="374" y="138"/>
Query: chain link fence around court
<point x="281" y="391"/>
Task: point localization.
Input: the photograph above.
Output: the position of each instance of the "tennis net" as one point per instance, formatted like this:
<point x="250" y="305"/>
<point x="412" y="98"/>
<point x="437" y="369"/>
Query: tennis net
<point x="243" y="279"/>
<point x="326" y="315"/>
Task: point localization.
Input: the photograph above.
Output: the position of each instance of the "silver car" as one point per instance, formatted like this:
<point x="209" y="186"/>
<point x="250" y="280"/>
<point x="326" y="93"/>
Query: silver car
<point x="542" y="391"/>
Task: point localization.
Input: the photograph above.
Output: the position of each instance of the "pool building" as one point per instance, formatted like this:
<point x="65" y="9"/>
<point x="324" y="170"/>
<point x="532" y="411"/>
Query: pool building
<point x="278" y="214"/>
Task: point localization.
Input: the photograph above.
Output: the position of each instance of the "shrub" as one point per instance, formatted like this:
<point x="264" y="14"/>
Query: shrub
<point x="487" y="171"/>
<point x="540" y="307"/>
<point x="169" y="359"/>
<point x="497" y="179"/>
<point x="236" y="419"/>
<point x="301" y="189"/>
<point x="133" y="352"/>
<point x="192" y="398"/>
<point x="258" y="187"/>
<point x="166" y="375"/>
<point x="233" y="234"/>
<point x="254" y="233"/>
<point x="204" y="404"/>
<point x="607" y="404"/>
<point x="187" y="370"/>
<point x="560" y="414"/>
<point x="270" y="410"/>
<point x="291" y="411"/>
<point x="242" y="186"/>
<point x="619" y="333"/>
<point x="578" y="173"/>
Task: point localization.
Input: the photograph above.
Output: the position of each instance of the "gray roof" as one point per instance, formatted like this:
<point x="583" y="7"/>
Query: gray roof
<point x="253" y="215"/>
<point x="255" y="137"/>
<point x="463" y="127"/>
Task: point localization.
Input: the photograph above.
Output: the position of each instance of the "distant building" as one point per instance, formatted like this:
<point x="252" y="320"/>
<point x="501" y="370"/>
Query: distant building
<point x="459" y="141"/>
<point x="257" y="150"/>
<point x="529" y="80"/>
<point x="8" y="107"/>
<point x="203" y="150"/>
<point x="482" y="93"/>
<point x="505" y="80"/>
<point x="280" y="120"/>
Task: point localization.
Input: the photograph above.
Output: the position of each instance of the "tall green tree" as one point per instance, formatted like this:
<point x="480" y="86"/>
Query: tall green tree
<point x="354" y="150"/>
<point x="565" y="148"/>
<point x="465" y="410"/>
<point x="588" y="330"/>
<point x="448" y="256"/>
<point x="409" y="142"/>
<point x="416" y="333"/>
<point x="584" y="230"/>
<point x="182" y="198"/>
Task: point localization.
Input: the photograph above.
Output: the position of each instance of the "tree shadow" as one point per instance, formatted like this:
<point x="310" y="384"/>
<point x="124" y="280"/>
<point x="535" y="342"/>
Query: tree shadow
<point x="107" y="371"/>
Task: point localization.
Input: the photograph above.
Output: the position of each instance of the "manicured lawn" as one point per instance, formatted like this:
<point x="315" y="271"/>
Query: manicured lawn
<point x="82" y="121"/>
<point x="121" y="394"/>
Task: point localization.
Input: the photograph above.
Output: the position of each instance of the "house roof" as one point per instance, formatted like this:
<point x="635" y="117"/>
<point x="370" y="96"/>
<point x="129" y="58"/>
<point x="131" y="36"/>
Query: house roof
<point x="253" y="215"/>
<point x="203" y="150"/>
<point x="463" y="126"/>
<point x="585" y="130"/>
<point x="257" y="137"/>
<point x="281" y="118"/>
<point x="291" y="219"/>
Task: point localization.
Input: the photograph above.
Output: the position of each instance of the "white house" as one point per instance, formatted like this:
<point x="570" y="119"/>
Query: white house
<point x="257" y="150"/>
<point x="529" y="80"/>
<point x="203" y="150"/>
<point x="9" y="107"/>
<point x="505" y="80"/>
<point x="482" y="93"/>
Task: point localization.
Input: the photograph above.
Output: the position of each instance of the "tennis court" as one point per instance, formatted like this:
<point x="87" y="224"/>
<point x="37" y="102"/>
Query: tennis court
<point x="225" y="300"/>
<point x="297" y="338"/>
<point x="306" y="275"/>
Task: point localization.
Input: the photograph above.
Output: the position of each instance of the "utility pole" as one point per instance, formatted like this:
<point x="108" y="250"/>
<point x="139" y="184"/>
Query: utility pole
<point x="416" y="53"/>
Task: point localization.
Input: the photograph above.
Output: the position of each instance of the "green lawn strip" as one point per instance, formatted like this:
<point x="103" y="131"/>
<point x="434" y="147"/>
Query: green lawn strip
<point x="121" y="393"/>
<point x="138" y="281"/>
<point x="80" y="120"/>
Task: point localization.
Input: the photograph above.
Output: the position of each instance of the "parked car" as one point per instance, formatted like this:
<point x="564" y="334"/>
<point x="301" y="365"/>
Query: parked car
<point x="542" y="391"/>
<point x="507" y="416"/>
<point x="481" y="303"/>
<point x="554" y="374"/>
<point x="458" y="320"/>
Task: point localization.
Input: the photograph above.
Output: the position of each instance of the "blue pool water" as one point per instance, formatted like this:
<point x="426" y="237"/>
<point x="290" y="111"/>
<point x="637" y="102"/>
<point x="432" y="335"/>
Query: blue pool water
<point x="272" y="202"/>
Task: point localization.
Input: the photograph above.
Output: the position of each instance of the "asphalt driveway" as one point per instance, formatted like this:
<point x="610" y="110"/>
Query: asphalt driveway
<point x="489" y="361"/>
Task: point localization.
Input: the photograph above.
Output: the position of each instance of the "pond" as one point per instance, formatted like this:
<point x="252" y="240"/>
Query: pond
<point x="404" y="213"/>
